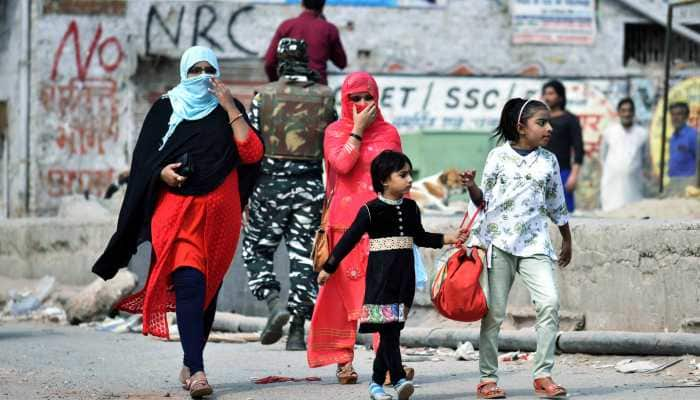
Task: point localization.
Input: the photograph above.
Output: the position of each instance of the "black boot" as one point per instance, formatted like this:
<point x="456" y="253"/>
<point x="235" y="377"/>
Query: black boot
<point x="276" y="321"/>
<point x="295" y="340"/>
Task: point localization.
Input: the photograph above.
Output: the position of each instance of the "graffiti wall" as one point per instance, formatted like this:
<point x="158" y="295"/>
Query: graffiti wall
<point x="80" y="117"/>
<point x="95" y="73"/>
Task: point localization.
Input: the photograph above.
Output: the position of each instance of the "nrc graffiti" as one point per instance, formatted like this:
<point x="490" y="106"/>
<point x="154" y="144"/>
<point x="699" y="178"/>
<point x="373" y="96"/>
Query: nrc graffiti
<point x="81" y="102"/>
<point x="206" y="21"/>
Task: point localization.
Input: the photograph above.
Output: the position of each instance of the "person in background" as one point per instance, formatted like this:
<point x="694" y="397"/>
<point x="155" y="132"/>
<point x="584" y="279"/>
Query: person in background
<point x="321" y="37"/>
<point x="566" y="138"/>
<point x="624" y="155"/>
<point x="291" y="114"/>
<point x="682" y="162"/>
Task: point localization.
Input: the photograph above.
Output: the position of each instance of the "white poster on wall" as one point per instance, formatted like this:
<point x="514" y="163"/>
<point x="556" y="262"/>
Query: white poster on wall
<point x="425" y="103"/>
<point x="553" y="21"/>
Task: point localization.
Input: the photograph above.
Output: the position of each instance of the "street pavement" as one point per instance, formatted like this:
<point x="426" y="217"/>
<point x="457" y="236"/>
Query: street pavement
<point x="45" y="361"/>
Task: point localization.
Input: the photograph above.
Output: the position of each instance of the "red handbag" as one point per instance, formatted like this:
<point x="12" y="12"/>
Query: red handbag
<point x="456" y="292"/>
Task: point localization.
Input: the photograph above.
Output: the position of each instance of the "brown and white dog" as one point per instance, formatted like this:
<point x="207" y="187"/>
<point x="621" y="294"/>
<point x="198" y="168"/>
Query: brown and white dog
<point x="433" y="192"/>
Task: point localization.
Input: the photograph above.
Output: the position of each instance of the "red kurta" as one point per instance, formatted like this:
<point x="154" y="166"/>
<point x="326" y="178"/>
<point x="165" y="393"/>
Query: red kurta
<point x="339" y="304"/>
<point x="194" y="231"/>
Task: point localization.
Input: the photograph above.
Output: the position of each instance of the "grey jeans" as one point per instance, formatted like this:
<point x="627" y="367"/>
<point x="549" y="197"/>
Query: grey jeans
<point x="537" y="273"/>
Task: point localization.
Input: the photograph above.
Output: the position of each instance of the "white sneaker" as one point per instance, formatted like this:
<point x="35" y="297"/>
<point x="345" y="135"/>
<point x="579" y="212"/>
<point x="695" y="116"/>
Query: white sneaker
<point x="404" y="389"/>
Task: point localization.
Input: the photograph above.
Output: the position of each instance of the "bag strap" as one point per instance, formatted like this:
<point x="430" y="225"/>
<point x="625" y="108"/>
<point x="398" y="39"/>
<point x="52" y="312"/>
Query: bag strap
<point x="468" y="229"/>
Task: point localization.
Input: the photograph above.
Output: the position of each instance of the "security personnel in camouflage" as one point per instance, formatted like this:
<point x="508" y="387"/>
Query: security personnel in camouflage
<point x="291" y="114"/>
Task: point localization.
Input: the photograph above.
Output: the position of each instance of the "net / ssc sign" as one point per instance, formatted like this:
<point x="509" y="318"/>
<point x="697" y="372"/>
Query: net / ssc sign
<point x="553" y="21"/>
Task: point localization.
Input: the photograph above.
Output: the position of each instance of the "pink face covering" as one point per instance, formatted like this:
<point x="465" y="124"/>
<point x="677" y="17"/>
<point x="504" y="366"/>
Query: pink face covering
<point x="361" y="107"/>
<point x="358" y="82"/>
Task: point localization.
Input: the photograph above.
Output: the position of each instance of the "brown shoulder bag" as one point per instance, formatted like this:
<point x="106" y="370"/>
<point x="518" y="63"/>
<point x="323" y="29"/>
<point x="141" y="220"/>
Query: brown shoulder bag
<point x="322" y="248"/>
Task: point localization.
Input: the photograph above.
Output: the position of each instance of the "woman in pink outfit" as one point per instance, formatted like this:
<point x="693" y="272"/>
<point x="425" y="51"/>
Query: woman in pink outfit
<point x="350" y="145"/>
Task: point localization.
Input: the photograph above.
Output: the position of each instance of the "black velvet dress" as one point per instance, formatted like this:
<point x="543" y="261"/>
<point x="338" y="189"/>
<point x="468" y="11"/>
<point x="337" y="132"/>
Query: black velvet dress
<point x="393" y="228"/>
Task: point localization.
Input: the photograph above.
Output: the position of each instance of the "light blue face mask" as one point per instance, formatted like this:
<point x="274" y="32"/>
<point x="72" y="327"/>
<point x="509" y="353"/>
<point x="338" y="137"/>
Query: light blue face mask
<point x="191" y="99"/>
<point x="198" y="86"/>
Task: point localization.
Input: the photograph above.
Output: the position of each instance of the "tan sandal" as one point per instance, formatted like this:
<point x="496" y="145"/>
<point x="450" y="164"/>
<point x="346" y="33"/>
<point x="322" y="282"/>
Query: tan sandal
<point x="546" y="388"/>
<point x="410" y="373"/>
<point x="346" y="375"/>
<point x="489" y="390"/>
<point x="184" y="377"/>
<point x="199" y="386"/>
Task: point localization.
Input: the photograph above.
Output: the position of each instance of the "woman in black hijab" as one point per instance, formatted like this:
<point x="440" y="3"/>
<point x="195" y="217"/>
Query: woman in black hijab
<point x="187" y="186"/>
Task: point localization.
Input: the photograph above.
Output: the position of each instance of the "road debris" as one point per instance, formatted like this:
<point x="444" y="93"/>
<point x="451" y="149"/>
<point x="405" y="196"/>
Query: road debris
<point x="627" y="366"/>
<point x="514" y="356"/>
<point x="277" y="379"/>
<point x="465" y="351"/>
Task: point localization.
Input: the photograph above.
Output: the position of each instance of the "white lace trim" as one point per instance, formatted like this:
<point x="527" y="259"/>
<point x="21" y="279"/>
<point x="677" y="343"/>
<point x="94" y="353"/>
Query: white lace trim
<point x="391" y="243"/>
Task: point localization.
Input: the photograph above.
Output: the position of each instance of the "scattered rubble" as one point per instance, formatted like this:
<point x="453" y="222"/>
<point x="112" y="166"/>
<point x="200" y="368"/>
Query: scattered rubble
<point x="690" y="325"/>
<point x="24" y="303"/>
<point x="98" y="298"/>
<point x="628" y="366"/>
<point x="465" y="351"/>
<point x="121" y="325"/>
<point x="36" y="304"/>
<point x="515" y="356"/>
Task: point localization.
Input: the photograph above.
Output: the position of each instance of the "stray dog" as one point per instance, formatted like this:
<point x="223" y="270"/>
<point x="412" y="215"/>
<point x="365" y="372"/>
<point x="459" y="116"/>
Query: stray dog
<point x="433" y="192"/>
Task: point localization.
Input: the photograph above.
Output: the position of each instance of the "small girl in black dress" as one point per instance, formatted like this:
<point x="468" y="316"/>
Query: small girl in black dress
<point x="394" y="226"/>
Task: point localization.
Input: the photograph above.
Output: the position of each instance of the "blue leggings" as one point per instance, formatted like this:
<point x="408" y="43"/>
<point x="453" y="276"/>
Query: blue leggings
<point x="193" y="321"/>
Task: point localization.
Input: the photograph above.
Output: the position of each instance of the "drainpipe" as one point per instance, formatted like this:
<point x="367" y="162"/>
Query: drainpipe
<point x="6" y="173"/>
<point x="589" y="342"/>
<point x="25" y="95"/>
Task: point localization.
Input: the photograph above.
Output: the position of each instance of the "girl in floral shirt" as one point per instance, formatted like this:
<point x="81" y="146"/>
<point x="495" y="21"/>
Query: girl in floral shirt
<point x="522" y="190"/>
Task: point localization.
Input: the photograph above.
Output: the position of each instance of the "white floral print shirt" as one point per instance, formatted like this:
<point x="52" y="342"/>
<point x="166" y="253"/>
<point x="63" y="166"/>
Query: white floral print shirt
<point x="521" y="193"/>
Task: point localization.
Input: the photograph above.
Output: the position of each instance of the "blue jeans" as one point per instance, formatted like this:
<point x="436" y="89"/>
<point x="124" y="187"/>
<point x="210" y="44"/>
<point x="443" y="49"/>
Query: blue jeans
<point x="569" y="196"/>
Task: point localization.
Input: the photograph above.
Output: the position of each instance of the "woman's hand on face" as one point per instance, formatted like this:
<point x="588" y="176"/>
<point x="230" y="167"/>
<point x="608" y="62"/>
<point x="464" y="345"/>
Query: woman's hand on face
<point x="364" y="118"/>
<point x="223" y="94"/>
<point x="170" y="177"/>
<point x="565" y="254"/>
<point x="323" y="277"/>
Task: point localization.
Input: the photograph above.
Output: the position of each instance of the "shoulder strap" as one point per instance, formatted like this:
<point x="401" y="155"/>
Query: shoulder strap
<point x="468" y="229"/>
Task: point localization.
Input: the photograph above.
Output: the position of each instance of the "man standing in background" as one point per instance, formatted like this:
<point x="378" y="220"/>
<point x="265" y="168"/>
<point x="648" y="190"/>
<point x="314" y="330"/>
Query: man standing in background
<point x="566" y="138"/>
<point x="625" y="157"/>
<point x="322" y="39"/>
<point x="682" y="162"/>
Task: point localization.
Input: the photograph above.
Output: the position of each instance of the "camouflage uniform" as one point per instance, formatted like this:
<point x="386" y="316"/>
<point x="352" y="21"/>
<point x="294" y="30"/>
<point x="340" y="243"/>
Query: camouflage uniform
<point x="288" y="199"/>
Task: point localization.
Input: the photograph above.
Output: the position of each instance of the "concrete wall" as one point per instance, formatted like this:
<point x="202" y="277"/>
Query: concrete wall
<point x="625" y="275"/>
<point x="65" y="248"/>
<point x="637" y="275"/>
